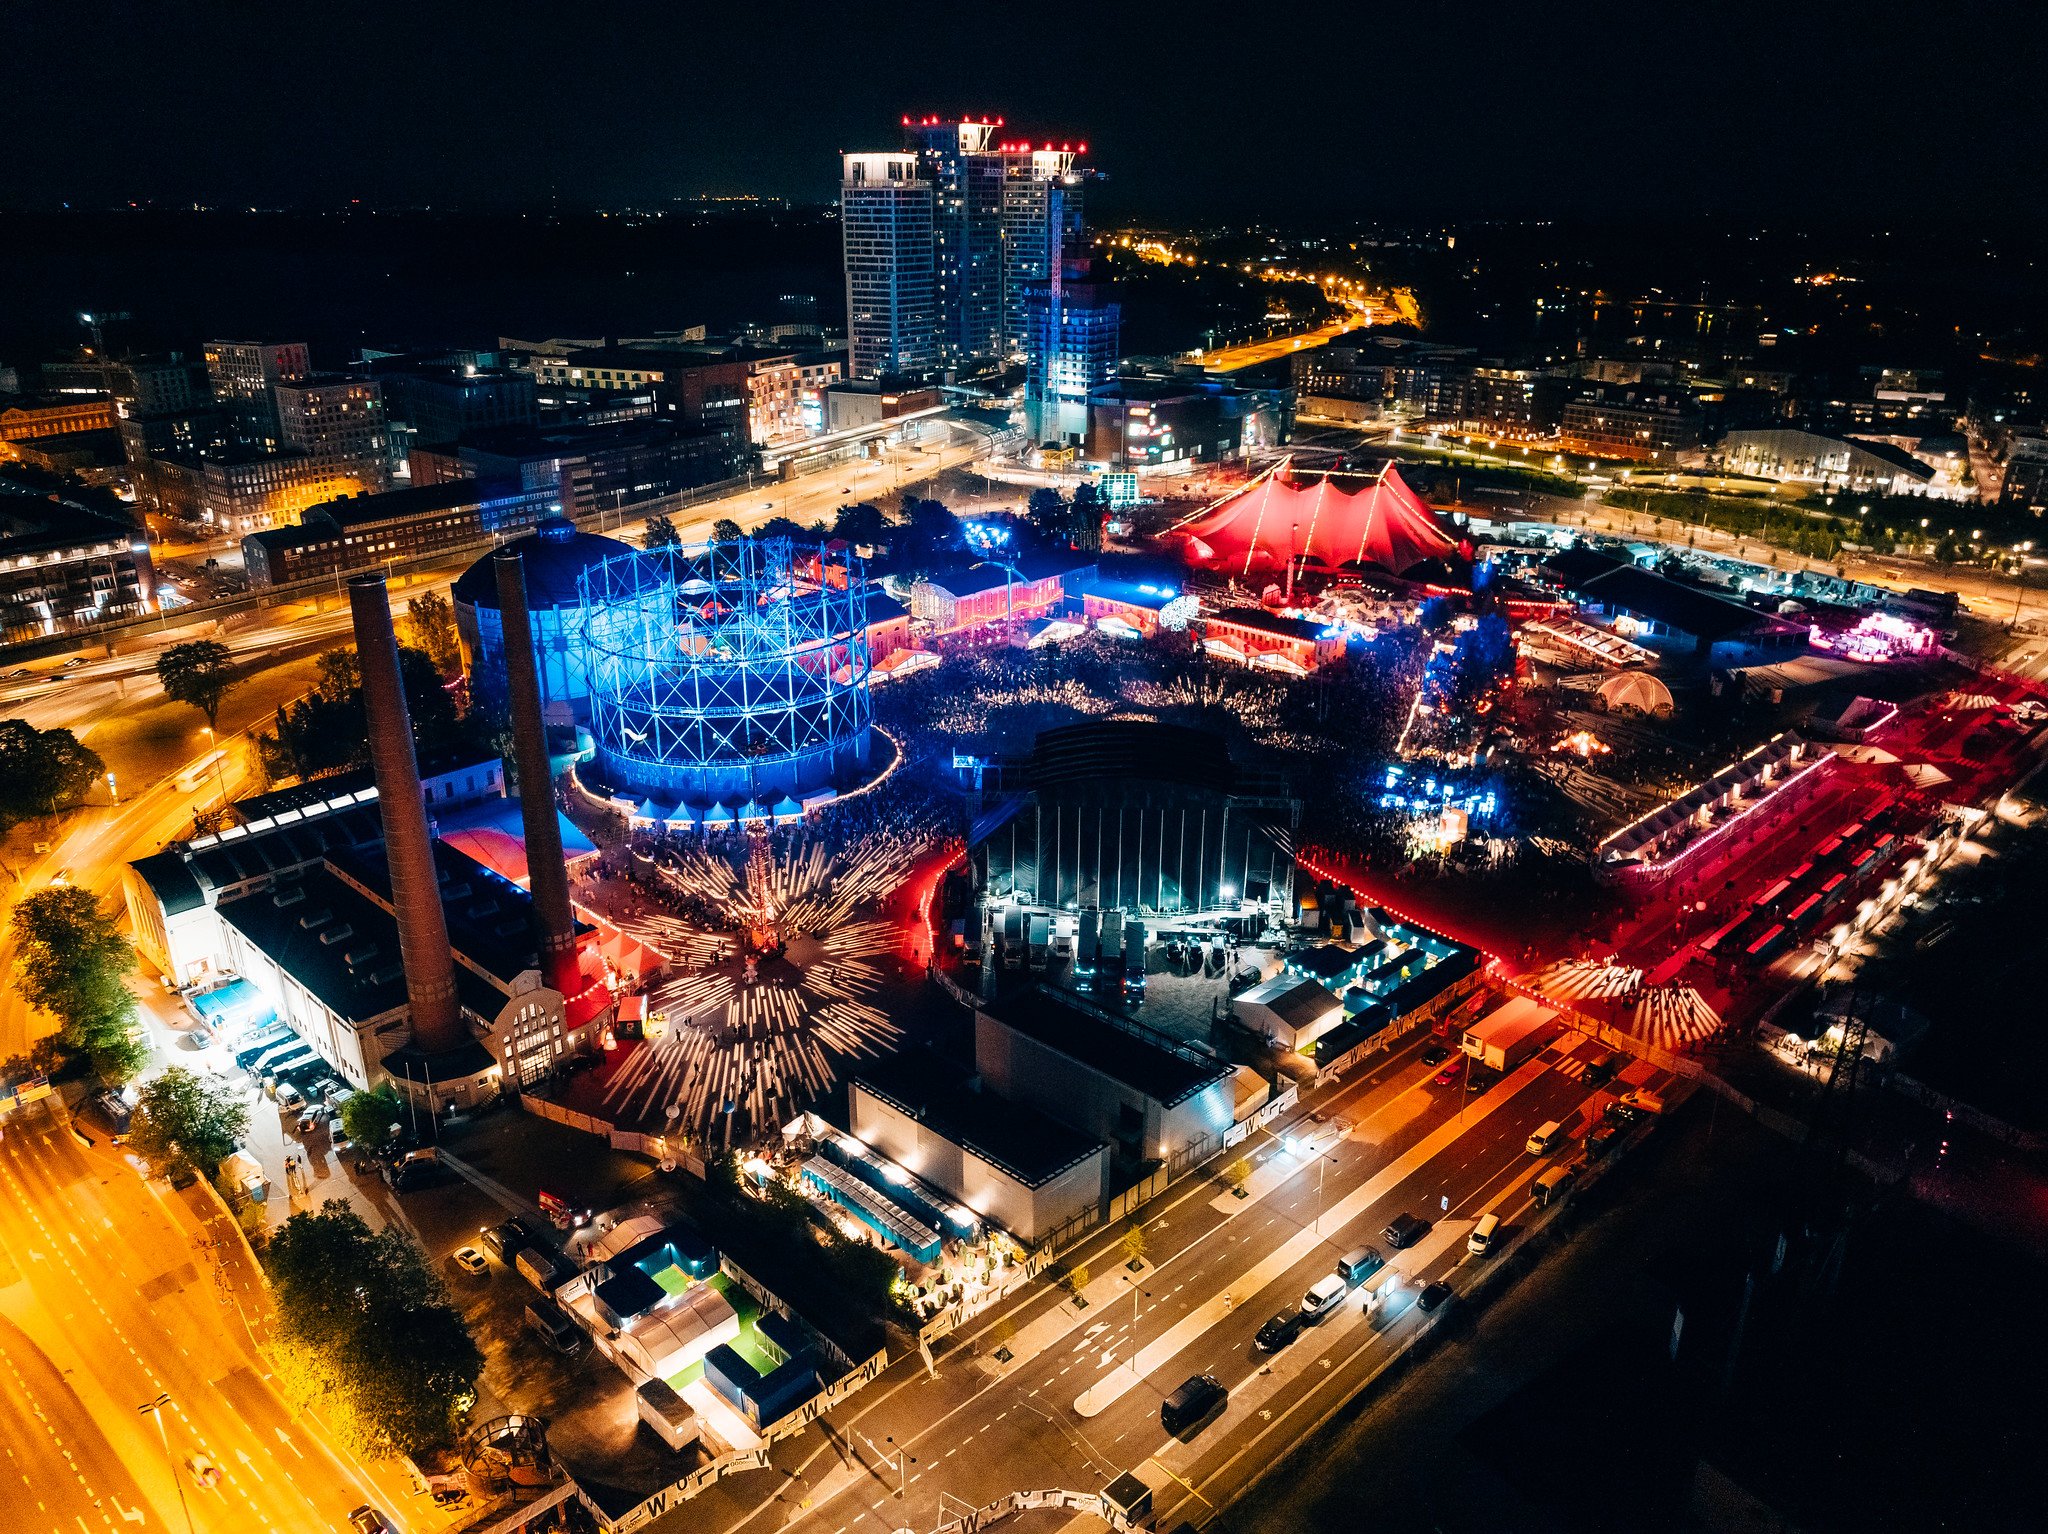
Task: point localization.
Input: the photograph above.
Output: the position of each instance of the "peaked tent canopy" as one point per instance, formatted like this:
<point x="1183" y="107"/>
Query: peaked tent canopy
<point x="1384" y="524"/>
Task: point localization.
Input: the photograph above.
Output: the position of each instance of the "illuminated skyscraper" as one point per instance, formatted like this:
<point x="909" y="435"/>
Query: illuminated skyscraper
<point x="967" y="231"/>
<point x="885" y="218"/>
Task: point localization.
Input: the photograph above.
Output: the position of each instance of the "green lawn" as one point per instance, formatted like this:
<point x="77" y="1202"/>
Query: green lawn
<point x="747" y="1345"/>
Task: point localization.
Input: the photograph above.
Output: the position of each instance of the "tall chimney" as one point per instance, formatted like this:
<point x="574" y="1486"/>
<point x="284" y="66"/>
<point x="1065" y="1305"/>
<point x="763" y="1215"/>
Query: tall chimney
<point x="546" y="868"/>
<point x="408" y="849"/>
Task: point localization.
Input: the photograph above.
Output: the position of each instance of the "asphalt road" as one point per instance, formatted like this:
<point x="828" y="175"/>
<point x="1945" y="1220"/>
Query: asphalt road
<point x="115" y="1292"/>
<point x="1074" y="1416"/>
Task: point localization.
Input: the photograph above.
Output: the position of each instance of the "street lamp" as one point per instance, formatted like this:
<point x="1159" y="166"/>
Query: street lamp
<point x="156" y="1409"/>
<point x="1010" y="572"/>
<point x="904" y="1458"/>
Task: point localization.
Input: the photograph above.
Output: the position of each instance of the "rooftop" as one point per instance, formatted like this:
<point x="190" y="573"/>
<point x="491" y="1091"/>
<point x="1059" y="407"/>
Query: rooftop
<point x="1037" y="566"/>
<point x="1014" y="1137"/>
<point x="1268" y="623"/>
<point x="333" y="941"/>
<point x="1152" y="1063"/>
<point x="1121" y="750"/>
<point x="1685" y="608"/>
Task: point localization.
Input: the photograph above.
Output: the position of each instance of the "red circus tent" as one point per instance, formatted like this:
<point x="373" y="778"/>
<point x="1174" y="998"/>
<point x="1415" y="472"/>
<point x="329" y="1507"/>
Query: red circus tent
<point x="1384" y="524"/>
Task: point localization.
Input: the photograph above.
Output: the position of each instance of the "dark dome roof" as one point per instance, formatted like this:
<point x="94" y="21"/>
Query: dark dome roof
<point x="555" y="554"/>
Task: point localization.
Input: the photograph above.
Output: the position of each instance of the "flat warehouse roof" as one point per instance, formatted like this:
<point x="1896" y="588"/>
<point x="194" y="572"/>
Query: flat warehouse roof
<point x="1152" y="1063"/>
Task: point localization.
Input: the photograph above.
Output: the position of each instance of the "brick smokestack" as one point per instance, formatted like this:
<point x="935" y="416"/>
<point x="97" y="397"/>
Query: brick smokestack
<point x="545" y="866"/>
<point x="408" y="849"/>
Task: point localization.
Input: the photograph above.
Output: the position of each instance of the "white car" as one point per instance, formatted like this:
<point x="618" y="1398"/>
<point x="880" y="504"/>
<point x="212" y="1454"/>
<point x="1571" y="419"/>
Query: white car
<point x="472" y="1262"/>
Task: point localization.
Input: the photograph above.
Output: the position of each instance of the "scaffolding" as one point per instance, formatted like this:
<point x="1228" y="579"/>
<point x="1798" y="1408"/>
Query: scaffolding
<point x="728" y="673"/>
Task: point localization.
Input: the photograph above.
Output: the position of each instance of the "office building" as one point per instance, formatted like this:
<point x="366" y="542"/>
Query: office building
<point x="441" y="404"/>
<point x="339" y="422"/>
<point x="1041" y="224"/>
<point x="697" y="387"/>
<point x="1178" y="421"/>
<point x="79" y="570"/>
<point x="596" y="468"/>
<point x="181" y="433"/>
<point x="243" y="374"/>
<point x="152" y="385"/>
<point x="242" y="489"/>
<point x="885" y="216"/>
<point x="966" y="174"/>
<point x="1072" y="326"/>
<point x="1633" y="423"/>
<point x="364" y="531"/>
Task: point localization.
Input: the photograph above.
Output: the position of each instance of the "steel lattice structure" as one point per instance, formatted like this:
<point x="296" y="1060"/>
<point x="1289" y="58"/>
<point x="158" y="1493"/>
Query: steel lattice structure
<point x="728" y="672"/>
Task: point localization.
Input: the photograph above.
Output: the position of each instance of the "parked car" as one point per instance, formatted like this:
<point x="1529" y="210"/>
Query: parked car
<point x="1432" y="1297"/>
<point x="1359" y="1264"/>
<point x="472" y="1262"/>
<point x="1479" y="1081"/>
<point x="289" y="1096"/>
<point x="505" y="1241"/>
<point x="1434" y="1054"/>
<point x="1404" y="1230"/>
<point x="1278" y="1332"/>
<point x="201" y="1038"/>
<point x="1448" y="1076"/>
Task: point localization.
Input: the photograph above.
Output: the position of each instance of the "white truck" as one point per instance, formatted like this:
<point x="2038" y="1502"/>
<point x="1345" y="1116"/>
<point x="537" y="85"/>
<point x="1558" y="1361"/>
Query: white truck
<point x="1508" y="1035"/>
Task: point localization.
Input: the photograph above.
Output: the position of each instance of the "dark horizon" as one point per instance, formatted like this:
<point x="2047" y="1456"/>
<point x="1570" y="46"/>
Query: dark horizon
<point x="1756" y="113"/>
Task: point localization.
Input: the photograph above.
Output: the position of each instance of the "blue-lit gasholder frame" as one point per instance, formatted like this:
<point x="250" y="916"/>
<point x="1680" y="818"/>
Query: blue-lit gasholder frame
<point x="727" y="672"/>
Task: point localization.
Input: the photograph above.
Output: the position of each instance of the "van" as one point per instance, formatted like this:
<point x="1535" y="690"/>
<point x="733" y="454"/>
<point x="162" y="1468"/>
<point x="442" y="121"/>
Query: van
<point x="1603" y="1066"/>
<point x="1481" y="1239"/>
<point x="1553" y="1183"/>
<point x="1190" y="1405"/>
<point x="1647" y="1102"/>
<point x="1544" y="1141"/>
<point x="546" y="1321"/>
<point x="289" y="1096"/>
<point x="1323" y="1297"/>
<point x="1359" y="1264"/>
<point x="537" y="1268"/>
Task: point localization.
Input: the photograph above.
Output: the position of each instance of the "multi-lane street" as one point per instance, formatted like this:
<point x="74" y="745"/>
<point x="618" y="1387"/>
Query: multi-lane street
<point x="114" y="1292"/>
<point x="1068" y="1409"/>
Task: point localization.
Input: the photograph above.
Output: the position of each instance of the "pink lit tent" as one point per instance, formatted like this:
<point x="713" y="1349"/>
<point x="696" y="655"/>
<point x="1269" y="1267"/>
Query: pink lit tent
<point x="1384" y="524"/>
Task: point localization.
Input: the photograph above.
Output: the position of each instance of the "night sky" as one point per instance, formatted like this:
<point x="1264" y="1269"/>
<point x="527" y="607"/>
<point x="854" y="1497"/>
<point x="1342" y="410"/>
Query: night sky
<point x="1194" y="109"/>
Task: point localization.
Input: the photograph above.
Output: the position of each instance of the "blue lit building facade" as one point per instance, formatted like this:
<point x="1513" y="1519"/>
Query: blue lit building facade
<point x="1072" y="327"/>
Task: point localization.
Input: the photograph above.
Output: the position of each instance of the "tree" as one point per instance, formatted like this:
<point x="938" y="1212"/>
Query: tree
<point x="187" y="1123"/>
<point x="201" y="673"/>
<point x="341" y="674"/>
<point x="1238" y="1173"/>
<point x="860" y="524"/>
<point x="369" y="1117"/>
<point x="72" y="960"/>
<point x="1134" y="1244"/>
<point x="1075" y="1279"/>
<point x="41" y="771"/>
<point x="659" y="533"/>
<point x="1946" y="552"/>
<point x="725" y="530"/>
<point x="366" y="1332"/>
<point x="786" y="527"/>
<point x="1048" y="511"/>
<point x="432" y="622"/>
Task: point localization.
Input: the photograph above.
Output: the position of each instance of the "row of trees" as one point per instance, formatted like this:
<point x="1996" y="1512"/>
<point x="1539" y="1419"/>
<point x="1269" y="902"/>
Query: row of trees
<point x="366" y="1333"/>
<point x="72" y="963"/>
